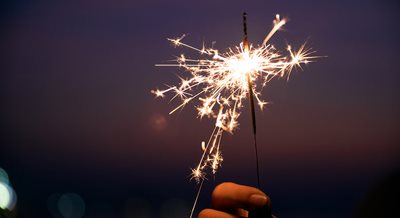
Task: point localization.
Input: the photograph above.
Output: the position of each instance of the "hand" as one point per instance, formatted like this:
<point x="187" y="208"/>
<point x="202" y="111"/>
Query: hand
<point x="230" y="200"/>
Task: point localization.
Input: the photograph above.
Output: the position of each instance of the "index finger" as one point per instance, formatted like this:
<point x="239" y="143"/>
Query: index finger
<point x="230" y="196"/>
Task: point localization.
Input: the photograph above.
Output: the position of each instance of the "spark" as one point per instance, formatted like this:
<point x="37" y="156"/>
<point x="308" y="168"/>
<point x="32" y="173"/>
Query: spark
<point x="220" y="82"/>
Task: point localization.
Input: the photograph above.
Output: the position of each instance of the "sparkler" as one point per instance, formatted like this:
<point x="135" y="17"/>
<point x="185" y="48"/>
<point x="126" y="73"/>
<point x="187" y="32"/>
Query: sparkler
<point x="222" y="81"/>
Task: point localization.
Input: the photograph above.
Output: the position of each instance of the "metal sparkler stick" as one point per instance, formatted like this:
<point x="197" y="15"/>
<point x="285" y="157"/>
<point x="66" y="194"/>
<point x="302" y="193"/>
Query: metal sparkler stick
<point x="251" y="98"/>
<point x="265" y="212"/>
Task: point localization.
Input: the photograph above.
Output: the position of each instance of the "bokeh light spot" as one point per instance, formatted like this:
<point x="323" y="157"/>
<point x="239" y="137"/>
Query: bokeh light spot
<point x="174" y="207"/>
<point x="138" y="208"/>
<point x="7" y="197"/>
<point x="71" y="205"/>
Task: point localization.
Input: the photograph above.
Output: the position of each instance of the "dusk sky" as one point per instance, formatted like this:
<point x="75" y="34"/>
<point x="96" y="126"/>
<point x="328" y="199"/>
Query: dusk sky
<point x="77" y="115"/>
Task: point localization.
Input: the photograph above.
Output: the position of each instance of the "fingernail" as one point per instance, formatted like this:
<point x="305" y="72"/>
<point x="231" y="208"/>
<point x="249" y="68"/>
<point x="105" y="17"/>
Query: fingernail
<point x="258" y="200"/>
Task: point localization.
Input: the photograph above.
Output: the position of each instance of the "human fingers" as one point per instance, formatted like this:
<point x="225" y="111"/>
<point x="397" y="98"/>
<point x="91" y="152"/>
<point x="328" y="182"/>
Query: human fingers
<point x="230" y="196"/>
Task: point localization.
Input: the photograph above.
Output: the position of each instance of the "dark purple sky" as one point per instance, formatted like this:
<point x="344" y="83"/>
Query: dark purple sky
<point x="78" y="116"/>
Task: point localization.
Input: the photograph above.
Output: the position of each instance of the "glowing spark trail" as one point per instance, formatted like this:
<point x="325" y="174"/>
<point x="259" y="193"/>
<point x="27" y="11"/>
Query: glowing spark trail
<point x="220" y="82"/>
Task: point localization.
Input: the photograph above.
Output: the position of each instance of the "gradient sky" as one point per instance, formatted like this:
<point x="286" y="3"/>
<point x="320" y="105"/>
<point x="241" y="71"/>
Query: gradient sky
<point x="77" y="114"/>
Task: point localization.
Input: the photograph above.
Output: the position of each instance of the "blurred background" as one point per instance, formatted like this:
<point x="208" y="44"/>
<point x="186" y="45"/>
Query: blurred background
<point x="82" y="136"/>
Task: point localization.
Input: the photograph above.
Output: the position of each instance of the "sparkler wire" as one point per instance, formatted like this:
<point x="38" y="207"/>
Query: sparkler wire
<point x="196" y="199"/>
<point x="251" y="98"/>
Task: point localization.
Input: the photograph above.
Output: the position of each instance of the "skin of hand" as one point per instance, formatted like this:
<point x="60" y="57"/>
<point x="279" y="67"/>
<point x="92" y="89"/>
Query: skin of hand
<point x="230" y="200"/>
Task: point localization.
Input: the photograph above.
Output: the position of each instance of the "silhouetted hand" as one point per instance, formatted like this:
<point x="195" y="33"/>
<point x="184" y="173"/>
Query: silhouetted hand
<point x="230" y="200"/>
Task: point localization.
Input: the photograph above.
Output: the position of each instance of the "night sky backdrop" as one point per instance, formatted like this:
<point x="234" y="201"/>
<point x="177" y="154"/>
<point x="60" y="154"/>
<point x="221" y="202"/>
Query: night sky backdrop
<point x="77" y="115"/>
